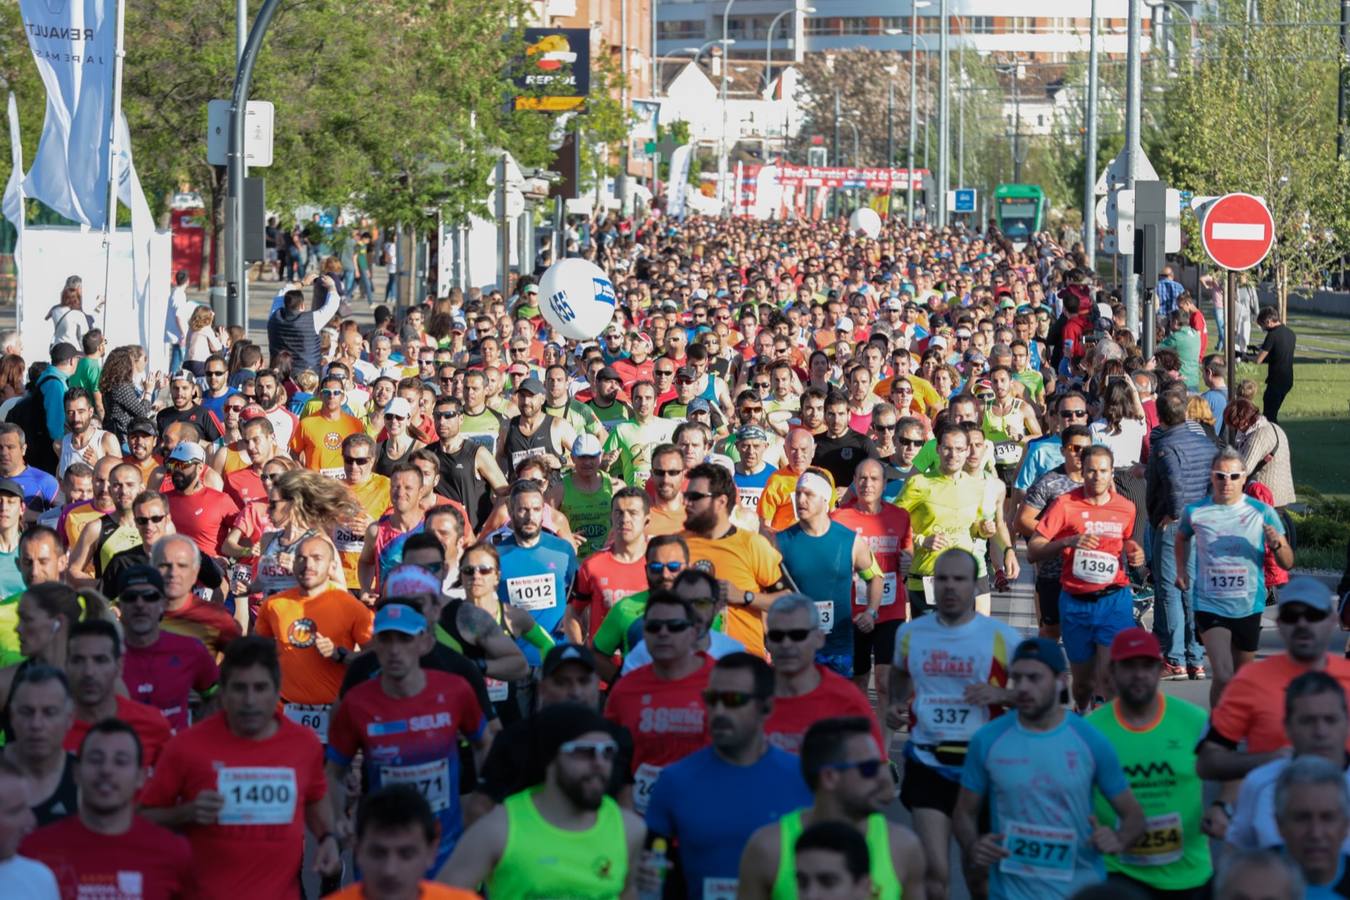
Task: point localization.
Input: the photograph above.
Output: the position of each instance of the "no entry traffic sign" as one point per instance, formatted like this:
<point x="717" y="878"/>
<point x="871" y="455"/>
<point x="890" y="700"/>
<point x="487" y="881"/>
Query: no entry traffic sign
<point x="1237" y="231"/>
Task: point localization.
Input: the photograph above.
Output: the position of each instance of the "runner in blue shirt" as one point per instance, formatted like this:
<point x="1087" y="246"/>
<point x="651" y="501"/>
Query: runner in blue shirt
<point x="537" y="568"/>
<point x="1038" y="769"/>
<point x="1232" y="532"/>
<point x="689" y="803"/>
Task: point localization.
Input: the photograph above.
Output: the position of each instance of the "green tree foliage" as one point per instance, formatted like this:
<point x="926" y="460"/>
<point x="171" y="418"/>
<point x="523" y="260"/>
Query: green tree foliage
<point x="1254" y="109"/>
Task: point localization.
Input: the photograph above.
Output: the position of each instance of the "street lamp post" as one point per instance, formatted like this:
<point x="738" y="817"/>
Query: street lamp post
<point x="1090" y="149"/>
<point x="768" y="40"/>
<point x="944" y="118"/>
<point x="722" y="164"/>
<point x="914" y="7"/>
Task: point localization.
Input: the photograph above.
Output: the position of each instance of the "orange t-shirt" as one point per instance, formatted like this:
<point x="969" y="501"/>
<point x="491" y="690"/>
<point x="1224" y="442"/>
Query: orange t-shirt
<point x="1252" y="706"/>
<point x="665" y="522"/>
<point x="777" y="509"/>
<point x="317" y="442"/>
<point x="748" y="562"/>
<point x="427" y="890"/>
<point x="295" y="621"/>
<point x="374" y="499"/>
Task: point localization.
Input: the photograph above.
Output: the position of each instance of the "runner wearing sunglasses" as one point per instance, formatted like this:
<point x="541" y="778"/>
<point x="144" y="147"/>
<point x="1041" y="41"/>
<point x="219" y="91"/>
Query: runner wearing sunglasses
<point x="850" y="782"/>
<point x="1232" y="532"/>
<point x="688" y="805"/>
<point x="665" y="558"/>
<point x="562" y="836"/>
<point x="661" y="704"/>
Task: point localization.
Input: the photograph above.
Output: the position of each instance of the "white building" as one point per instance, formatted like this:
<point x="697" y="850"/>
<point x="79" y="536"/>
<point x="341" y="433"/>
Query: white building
<point x="754" y="111"/>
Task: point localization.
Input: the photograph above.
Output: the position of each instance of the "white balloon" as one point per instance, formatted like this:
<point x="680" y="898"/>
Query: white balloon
<point x="865" y="222"/>
<point x="576" y="298"/>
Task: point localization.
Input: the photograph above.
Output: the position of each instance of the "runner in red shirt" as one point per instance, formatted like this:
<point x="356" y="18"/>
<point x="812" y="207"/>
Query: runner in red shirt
<point x="160" y="668"/>
<point x="886" y="529"/>
<point x="106" y="850"/>
<point x="179" y="561"/>
<point x="619" y="570"/>
<point x="1091" y="527"/>
<point x="804" y="691"/>
<point x="199" y="512"/>
<point x="661" y="704"/>
<point x="244" y="785"/>
<point x="94" y="665"/>
<point x="245" y="485"/>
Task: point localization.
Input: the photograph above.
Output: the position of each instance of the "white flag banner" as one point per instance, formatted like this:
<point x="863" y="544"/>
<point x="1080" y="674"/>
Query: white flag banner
<point x="74" y="42"/>
<point x="74" y="45"/>
<point x="679" y="181"/>
<point x="13" y="203"/>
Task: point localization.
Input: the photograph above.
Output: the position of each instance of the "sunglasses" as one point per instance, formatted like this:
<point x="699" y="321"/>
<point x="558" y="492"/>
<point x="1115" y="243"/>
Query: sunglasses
<point x="695" y="496"/>
<point x="1227" y="476"/>
<point x="604" y="751"/>
<point x="330" y="392"/>
<point x="215" y="373"/>
<point x="867" y="768"/>
<point x="1289" y="615"/>
<point x="447" y="414"/>
<point x="139" y="597"/>
<point x="795" y="635"/>
<point x="658" y="567"/>
<point x="1075" y="448"/>
<point x="665" y="373"/>
<point x="355" y="460"/>
<point x="469" y="571"/>
<point x="390" y="417"/>
<point x="762" y="385"/>
<point x="177" y="465"/>
<point x="912" y="442"/>
<point x="890" y="427"/>
<point x="234" y="407"/>
<point x="148" y="520"/>
<point x="269" y="476"/>
<point x="1073" y="413"/>
<point x="729" y="699"/>
<point x="670" y="626"/>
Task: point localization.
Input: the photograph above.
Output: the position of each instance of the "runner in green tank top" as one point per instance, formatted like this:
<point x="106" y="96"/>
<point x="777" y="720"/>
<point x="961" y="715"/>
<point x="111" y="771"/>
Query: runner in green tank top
<point x="587" y="493"/>
<point x="561" y="838"/>
<point x="850" y="781"/>
<point x="1155" y="737"/>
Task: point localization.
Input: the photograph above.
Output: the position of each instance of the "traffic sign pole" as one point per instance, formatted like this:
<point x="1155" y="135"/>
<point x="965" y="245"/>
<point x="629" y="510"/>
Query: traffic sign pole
<point x="1229" y="336"/>
<point x="1237" y="231"/>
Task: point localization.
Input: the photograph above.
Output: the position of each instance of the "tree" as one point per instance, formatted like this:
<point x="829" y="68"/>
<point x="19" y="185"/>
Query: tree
<point x="1256" y="112"/>
<point x="861" y="78"/>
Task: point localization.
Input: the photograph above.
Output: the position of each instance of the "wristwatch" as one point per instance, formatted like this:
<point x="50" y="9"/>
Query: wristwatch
<point x="748" y="598"/>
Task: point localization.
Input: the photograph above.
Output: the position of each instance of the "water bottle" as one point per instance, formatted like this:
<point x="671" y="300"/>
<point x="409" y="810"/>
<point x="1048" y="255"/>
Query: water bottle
<point x="654" y="861"/>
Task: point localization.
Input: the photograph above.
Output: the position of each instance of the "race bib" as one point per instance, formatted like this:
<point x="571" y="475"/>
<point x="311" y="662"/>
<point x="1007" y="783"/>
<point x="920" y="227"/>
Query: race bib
<point x="484" y="440"/>
<point x="497" y="690"/>
<point x="256" y="795"/>
<point x="1007" y="453"/>
<point x="749" y="500"/>
<point x="333" y="473"/>
<point x="951" y="718"/>
<point x="720" y="888"/>
<point x="1095" y="567"/>
<point x="432" y="780"/>
<point x="311" y="716"/>
<point x="825" y="608"/>
<point x="928" y="590"/>
<point x="533" y="592"/>
<point x="1039" y="851"/>
<point x="1226" y="582"/>
<point x="1160" y="844"/>
<point x="348" y="541"/>
<point x="644" y="781"/>
<point x="519" y="456"/>
<point x="888" y="591"/>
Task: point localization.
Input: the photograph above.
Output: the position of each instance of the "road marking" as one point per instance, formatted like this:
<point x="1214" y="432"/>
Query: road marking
<point x="1238" y="231"/>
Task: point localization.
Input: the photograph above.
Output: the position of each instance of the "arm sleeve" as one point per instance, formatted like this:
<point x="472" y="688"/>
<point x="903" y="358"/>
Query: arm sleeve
<point x="327" y="311"/>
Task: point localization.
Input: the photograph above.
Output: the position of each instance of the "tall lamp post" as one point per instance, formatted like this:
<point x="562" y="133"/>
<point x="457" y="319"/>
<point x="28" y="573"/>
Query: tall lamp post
<point x="1090" y="149"/>
<point x="944" y="119"/>
<point x="914" y="8"/>
<point x="768" y="41"/>
<point x="722" y="163"/>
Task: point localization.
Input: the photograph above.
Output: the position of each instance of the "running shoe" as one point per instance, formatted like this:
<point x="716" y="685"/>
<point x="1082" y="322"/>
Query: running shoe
<point x="1174" y="672"/>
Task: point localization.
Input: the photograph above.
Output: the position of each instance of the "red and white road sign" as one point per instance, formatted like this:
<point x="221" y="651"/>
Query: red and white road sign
<point x="1238" y="231"/>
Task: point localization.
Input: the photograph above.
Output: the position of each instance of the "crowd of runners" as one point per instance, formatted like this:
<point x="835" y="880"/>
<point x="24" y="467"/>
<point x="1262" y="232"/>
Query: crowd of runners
<point x="443" y="607"/>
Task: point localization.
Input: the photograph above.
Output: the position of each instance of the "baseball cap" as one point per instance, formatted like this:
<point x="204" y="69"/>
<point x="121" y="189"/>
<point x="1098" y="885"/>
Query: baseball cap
<point x="1043" y="650"/>
<point x="698" y="405"/>
<point x="188" y="451"/>
<point x="586" y="445"/>
<point x="400" y="407"/>
<point x="937" y="340"/>
<point x="894" y="304"/>
<point x="844" y="324"/>
<point x="963" y="332"/>
<point x="11" y="487"/>
<point x="142" y="426"/>
<point x="140" y="580"/>
<point x="530" y="289"/>
<point x="750" y="433"/>
<point x="408" y="580"/>
<point x="1309" y="591"/>
<point x="686" y="373"/>
<point x="608" y="372"/>
<point x="1135" y="643"/>
<point x="531" y="385"/>
<point x="181" y="375"/>
<point x="565" y="653"/>
<point x="398" y="617"/>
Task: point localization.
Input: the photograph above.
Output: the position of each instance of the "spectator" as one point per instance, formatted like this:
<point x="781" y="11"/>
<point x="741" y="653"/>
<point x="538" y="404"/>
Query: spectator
<point x="68" y="318"/>
<point x="1265" y="450"/>
<point x="127" y="392"/>
<point x="1277" y="352"/>
<point x="1169" y="289"/>
<point x="294" y="324"/>
<point x="202" y="340"/>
